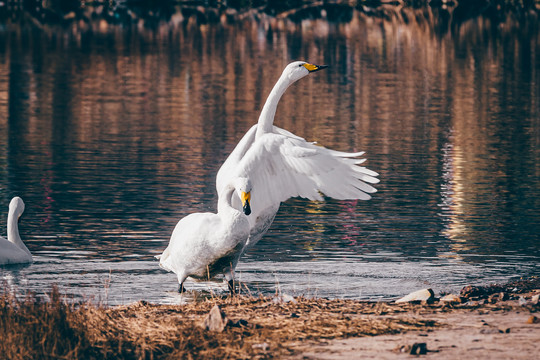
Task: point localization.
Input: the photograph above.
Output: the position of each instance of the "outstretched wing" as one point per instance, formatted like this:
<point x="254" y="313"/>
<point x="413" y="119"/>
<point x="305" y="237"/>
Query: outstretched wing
<point x="282" y="165"/>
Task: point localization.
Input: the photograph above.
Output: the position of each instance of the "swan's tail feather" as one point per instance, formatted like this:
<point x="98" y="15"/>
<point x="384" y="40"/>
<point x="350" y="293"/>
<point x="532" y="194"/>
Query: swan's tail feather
<point x="164" y="260"/>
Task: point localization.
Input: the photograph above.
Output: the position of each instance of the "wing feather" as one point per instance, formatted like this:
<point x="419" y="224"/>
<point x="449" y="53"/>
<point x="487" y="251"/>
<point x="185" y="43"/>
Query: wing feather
<point x="282" y="165"/>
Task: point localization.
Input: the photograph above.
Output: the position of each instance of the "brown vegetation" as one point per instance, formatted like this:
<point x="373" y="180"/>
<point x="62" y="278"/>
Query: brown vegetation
<point x="31" y="328"/>
<point x="262" y="327"/>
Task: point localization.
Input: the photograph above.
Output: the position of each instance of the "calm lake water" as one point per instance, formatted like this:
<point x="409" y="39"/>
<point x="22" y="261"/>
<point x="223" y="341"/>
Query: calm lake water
<point x="112" y="133"/>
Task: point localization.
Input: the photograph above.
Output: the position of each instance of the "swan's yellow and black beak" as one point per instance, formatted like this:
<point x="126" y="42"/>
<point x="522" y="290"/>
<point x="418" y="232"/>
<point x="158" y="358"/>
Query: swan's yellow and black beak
<point x="313" y="68"/>
<point x="246" y="197"/>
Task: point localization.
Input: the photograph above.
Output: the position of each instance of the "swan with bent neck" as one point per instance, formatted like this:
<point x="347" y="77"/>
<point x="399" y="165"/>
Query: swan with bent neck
<point x="203" y="245"/>
<point x="12" y="249"/>
<point x="282" y="165"/>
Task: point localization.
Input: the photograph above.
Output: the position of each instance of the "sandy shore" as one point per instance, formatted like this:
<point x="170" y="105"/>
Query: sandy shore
<point x="479" y="333"/>
<point x="482" y="322"/>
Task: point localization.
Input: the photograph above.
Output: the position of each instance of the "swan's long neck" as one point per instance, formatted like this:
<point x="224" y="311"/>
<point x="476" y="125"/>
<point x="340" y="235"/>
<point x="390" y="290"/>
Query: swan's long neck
<point x="225" y="201"/>
<point x="13" y="232"/>
<point x="266" y="119"/>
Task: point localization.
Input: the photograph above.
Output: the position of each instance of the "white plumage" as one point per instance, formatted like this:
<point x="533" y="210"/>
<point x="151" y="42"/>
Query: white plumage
<point x="12" y="249"/>
<point x="282" y="165"/>
<point x="203" y="245"/>
<point x="269" y="165"/>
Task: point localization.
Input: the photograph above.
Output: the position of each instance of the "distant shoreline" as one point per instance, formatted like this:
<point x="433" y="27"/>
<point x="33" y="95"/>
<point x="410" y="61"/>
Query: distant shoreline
<point x="56" y="12"/>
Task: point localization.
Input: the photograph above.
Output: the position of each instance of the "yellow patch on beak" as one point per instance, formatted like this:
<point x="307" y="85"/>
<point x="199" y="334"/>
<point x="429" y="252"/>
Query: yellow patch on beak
<point x="246" y="198"/>
<point x="311" y="67"/>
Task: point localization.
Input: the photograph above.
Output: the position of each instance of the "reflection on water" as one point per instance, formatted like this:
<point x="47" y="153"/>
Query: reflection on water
<point x="112" y="134"/>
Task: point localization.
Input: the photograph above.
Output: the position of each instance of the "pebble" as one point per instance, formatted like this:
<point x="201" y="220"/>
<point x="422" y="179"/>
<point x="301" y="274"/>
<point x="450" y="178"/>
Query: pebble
<point x="284" y="298"/>
<point x="451" y="298"/>
<point x="419" y="349"/>
<point x="263" y="346"/>
<point x="216" y="320"/>
<point x="420" y="295"/>
<point x="414" y="349"/>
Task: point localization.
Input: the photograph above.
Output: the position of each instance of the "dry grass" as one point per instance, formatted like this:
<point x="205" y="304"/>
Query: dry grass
<point x="31" y="328"/>
<point x="259" y="327"/>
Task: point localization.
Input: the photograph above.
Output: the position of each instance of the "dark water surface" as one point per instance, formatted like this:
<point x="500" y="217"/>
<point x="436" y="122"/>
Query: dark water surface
<point x="113" y="134"/>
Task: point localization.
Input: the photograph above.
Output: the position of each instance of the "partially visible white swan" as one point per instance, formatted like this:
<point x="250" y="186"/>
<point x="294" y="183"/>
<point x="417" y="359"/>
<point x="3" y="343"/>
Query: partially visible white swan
<point x="281" y="165"/>
<point x="13" y="250"/>
<point x="203" y="245"/>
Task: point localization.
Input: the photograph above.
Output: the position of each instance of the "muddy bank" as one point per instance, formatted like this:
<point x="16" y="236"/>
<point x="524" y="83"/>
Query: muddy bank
<point x="263" y="327"/>
<point x="462" y="334"/>
<point x="492" y="322"/>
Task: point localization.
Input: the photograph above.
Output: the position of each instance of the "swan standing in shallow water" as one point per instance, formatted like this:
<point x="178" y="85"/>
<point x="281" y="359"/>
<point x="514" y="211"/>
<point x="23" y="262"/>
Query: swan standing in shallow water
<point x="12" y="249"/>
<point x="203" y="245"/>
<point x="281" y="165"/>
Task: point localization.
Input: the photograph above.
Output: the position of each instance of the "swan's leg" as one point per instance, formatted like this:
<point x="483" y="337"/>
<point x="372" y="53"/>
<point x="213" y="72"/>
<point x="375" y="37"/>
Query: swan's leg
<point x="231" y="287"/>
<point x="181" y="279"/>
<point x="229" y="276"/>
<point x="181" y="288"/>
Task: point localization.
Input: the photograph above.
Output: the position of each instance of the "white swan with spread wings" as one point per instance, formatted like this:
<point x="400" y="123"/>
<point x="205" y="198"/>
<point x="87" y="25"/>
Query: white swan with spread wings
<point x="269" y="165"/>
<point x="282" y="165"/>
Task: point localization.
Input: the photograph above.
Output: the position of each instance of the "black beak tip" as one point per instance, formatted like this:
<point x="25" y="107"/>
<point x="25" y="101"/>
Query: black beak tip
<point x="247" y="208"/>
<point x="319" y="67"/>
